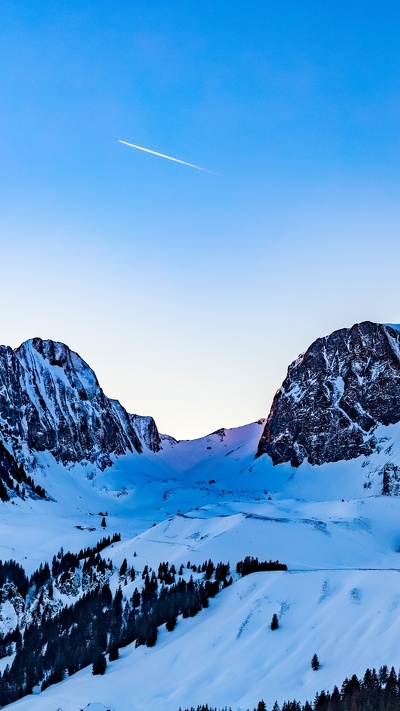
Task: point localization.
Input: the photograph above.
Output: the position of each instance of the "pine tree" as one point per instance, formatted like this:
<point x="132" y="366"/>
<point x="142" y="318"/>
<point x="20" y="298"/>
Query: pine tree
<point x="315" y="663"/>
<point x="124" y="567"/>
<point x="383" y="674"/>
<point x="103" y="522"/>
<point x="274" y="622"/>
<point x="114" y="651"/>
<point x="3" y="492"/>
<point x="151" y="636"/>
<point x="171" y="623"/>
<point x="99" y="664"/>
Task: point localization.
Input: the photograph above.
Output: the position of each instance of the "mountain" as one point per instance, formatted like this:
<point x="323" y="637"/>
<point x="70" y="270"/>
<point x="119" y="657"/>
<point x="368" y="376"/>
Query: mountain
<point x="311" y="499"/>
<point x="328" y="408"/>
<point x="334" y="396"/>
<point x="51" y="401"/>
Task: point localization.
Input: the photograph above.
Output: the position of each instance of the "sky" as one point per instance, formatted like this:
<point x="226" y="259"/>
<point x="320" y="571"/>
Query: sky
<point x="189" y="293"/>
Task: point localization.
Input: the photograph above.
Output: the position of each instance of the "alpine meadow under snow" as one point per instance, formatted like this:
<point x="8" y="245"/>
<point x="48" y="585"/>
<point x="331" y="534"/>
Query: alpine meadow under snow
<point x="76" y="467"/>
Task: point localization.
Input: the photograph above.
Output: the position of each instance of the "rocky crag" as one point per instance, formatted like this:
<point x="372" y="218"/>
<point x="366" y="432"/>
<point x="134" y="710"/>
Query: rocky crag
<point x="334" y="396"/>
<point x="50" y="400"/>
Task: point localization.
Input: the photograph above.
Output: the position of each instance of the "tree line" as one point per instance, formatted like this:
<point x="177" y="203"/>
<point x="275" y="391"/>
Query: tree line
<point x="375" y="691"/>
<point x="13" y="478"/>
<point x="253" y="565"/>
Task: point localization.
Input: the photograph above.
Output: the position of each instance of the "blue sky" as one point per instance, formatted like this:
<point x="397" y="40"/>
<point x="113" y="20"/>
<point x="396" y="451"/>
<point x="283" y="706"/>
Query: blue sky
<point x="190" y="293"/>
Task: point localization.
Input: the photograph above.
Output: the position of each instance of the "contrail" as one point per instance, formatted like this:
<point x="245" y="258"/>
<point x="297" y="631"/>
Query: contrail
<point x="161" y="155"/>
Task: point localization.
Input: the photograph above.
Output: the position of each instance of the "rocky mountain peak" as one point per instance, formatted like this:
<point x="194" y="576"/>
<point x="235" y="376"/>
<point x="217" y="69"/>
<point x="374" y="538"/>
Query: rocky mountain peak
<point x="334" y="396"/>
<point x="51" y="400"/>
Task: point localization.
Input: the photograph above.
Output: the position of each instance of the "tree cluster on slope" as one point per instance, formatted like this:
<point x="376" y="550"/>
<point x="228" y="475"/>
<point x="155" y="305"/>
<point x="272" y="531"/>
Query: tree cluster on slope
<point x="253" y="565"/>
<point x="376" y="691"/>
<point x="104" y="543"/>
<point x="13" y="478"/>
<point x="54" y="643"/>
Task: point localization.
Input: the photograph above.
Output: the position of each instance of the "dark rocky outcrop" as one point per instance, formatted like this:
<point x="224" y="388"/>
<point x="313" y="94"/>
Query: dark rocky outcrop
<point x="147" y="431"/>
<point x="334" y="396"/>
<point x="50" y="400"/>
<point x="144" y="426"/>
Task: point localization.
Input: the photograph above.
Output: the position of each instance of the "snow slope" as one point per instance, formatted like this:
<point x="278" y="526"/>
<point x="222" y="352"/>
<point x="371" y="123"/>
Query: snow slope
<point x="142" y="489"/>
<point x="340" y="597"/>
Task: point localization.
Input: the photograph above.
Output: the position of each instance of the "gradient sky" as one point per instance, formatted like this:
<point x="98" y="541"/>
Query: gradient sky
<point x="190" y="293"/>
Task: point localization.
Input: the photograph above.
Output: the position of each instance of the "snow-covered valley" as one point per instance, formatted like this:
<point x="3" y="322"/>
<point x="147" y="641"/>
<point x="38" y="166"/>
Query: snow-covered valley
<point x="340" y="597"/>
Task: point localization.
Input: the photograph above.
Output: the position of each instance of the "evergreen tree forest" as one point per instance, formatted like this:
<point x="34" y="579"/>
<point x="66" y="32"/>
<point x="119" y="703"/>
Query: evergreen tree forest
<point x="253" y="565"/>
<point x="376" y="691"/>
<point x="53" y="641"/>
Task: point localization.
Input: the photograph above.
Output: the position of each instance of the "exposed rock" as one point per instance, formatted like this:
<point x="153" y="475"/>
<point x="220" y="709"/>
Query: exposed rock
<point x="68" y="583"/>
<point x="50" y="400"/>
<point x="334" y="396"/>
<point x="147" y="431"/>
<point x="390" y="479"/>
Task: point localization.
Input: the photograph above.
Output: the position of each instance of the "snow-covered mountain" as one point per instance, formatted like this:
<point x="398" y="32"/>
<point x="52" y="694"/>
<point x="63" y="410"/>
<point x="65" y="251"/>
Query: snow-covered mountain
<point x="311" y="499"/>
<point x="334" y="396"/>
<point x="51" y="401"/>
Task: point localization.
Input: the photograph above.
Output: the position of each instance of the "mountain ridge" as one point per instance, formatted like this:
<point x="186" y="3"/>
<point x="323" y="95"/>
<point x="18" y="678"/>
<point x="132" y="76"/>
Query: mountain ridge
<point x="327" y="409"/>
<point x="51" y="400"/>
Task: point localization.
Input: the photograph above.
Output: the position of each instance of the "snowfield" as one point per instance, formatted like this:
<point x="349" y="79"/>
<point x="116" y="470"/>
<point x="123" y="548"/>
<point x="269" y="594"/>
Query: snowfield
<point x="228" y="654"/>
<point x="209" y="498"/>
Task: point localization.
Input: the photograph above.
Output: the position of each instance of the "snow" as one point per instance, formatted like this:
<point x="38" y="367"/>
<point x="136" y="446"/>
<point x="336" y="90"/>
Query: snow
<point x="339" y="386"/>
<point x="228" y="654"/>
<point x="209" y="498"/>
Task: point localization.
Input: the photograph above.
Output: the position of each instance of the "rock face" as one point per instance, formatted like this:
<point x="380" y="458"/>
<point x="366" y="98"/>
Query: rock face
<point x="334" y="396"/>
<point x="144" y="426"/>
<point x="50" y="400"/>
<point x="147" y="431"/>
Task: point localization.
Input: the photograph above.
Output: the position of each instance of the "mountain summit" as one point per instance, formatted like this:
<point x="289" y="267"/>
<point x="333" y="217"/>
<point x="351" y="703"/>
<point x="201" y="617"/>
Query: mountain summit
<point x="51" y="400"/>
<point x="334" y="396"/>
